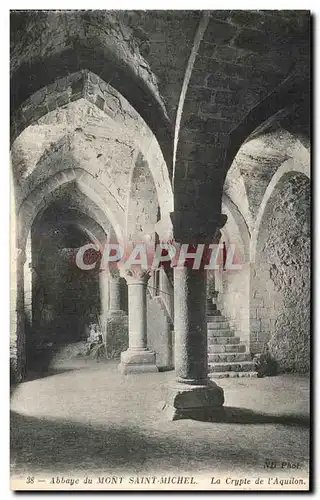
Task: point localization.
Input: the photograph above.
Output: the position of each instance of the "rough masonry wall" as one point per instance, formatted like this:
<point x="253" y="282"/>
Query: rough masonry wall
<point x="160" y="333"/>
<point x="233" y="284"/>
<point x="280" y="307"/>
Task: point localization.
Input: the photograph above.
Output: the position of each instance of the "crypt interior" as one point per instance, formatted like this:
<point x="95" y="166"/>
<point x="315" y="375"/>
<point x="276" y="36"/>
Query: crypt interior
<point x="158" y="126"/>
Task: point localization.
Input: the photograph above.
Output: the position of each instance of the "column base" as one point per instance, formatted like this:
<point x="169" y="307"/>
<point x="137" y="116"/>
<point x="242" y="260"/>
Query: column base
<point x="199" y="402"/>
<point x="132" y="361"/>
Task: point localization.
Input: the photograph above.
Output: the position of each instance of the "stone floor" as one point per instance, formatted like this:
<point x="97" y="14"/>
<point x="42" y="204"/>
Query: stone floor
<point x="89" y="417"/>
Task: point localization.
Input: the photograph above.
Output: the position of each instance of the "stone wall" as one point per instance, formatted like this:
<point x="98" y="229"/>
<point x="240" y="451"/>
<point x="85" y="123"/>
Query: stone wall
<point x="280" y="304"/>
<point x="117" y="341"/>
<point x="160" y="332"/>
<point x="234" y="284"/>
<point x="234" y="300"/>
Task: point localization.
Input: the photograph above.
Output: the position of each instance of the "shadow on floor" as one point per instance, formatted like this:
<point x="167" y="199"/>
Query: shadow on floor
<point x="34" y="375"/>
<point x="234" y="415"/>
<point x="45" y="445"/>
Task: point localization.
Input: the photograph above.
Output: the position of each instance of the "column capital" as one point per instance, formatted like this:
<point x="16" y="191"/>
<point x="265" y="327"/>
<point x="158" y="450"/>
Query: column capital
<point x="135" y="274"/>
<point x="114" y="273"/>
<point x="190" y="227"/>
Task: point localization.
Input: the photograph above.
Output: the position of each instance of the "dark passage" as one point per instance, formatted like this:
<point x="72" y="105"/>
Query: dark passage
<point x="66" y="299"/>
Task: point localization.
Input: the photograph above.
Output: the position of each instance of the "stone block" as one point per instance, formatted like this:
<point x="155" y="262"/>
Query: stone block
<point x="198" y="79"/>
<point x="250" y="19"/>
<point x="257" y="302"/>
<point x="253" y="40"/>
<point x="62" y="84"/>
<point x="62" y="100"/>
<point x="207" y="49"/>
<point x="255" y="325"/>
<point x="265" y="324"/>
<point x="227" y="98"/>
<point x="100" y="102"/>
<point x="219" y="31"/>
<point x="134" y="361"/>
<point x="193" y="401"/>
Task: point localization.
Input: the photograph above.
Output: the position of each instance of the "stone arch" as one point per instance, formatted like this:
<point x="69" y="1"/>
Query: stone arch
<point x="97" y="229"/>
<point x="289" y="95"/>
<point x="258" y="159"/>
<point x="56" y="291"/>
<point x="131" y="83"/>
<point x="241" y="223"/>
<point x="235" y="190"/>
<point x="291" y="166"/>
<point x="93" y="227"/>
<point x="43" y="194"/>
<point x="113" y="106"/>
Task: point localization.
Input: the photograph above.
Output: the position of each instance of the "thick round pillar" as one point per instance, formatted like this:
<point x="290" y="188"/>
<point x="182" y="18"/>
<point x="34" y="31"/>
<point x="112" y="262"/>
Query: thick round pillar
<point x="192" y="395"/>
<point x="191" y="353"/>
<point x="137" y="358"/>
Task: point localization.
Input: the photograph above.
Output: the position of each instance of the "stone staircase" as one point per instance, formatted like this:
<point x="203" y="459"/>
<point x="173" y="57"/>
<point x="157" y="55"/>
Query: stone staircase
<point x="227" y="355"/>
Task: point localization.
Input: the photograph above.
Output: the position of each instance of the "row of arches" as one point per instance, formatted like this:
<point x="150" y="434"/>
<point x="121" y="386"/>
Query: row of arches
<point x="80" y="118"/>
<point x="85" y="168"/>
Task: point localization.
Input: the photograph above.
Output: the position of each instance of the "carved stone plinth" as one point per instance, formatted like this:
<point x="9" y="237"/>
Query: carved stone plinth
<point x="138" y="361"/>
<point x="193" y="401"/>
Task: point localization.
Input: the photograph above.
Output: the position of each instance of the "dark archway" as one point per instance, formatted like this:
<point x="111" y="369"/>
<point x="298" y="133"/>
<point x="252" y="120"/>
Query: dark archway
<point x="66" y="299"/>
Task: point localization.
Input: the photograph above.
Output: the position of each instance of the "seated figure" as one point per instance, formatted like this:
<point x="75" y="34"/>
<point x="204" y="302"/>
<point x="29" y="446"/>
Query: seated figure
<point x="96" y="348"/>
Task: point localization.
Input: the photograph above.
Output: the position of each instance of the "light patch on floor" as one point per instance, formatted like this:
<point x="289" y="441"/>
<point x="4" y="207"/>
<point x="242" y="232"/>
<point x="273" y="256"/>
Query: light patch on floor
<point x="92" y="418"/>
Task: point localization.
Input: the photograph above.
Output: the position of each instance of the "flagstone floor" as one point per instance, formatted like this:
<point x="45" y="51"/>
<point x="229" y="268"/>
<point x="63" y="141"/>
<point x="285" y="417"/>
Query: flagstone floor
<point x="87" y="417"/>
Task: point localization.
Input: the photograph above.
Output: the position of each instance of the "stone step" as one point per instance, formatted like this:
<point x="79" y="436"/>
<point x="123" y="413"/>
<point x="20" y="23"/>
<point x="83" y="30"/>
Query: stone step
<point x="232" y="366"/>
<point x="218" y="348"/>
<point x="215" y="317"/>
<point x="211" y="307"/>
<point x="215" y="375"/>
<point x="221" y="333"/>
<point x="223" y="340"/>
<point x="216" y="325"/>
<point x="227" y="357"/>
<point x="214" y="314"/>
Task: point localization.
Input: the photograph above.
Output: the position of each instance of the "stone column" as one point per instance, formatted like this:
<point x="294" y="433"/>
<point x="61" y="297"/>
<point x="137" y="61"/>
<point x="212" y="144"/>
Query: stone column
<point x="191" y="358"/>
<point x="114" y="294"/>
<point x="192" y="394"/>
<point x="137" y="358"/>
<point x="17" y="317"/>
<point x="113" y="319"/>
<point x="104" y="301"/>
<point x="29" y="271"/>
